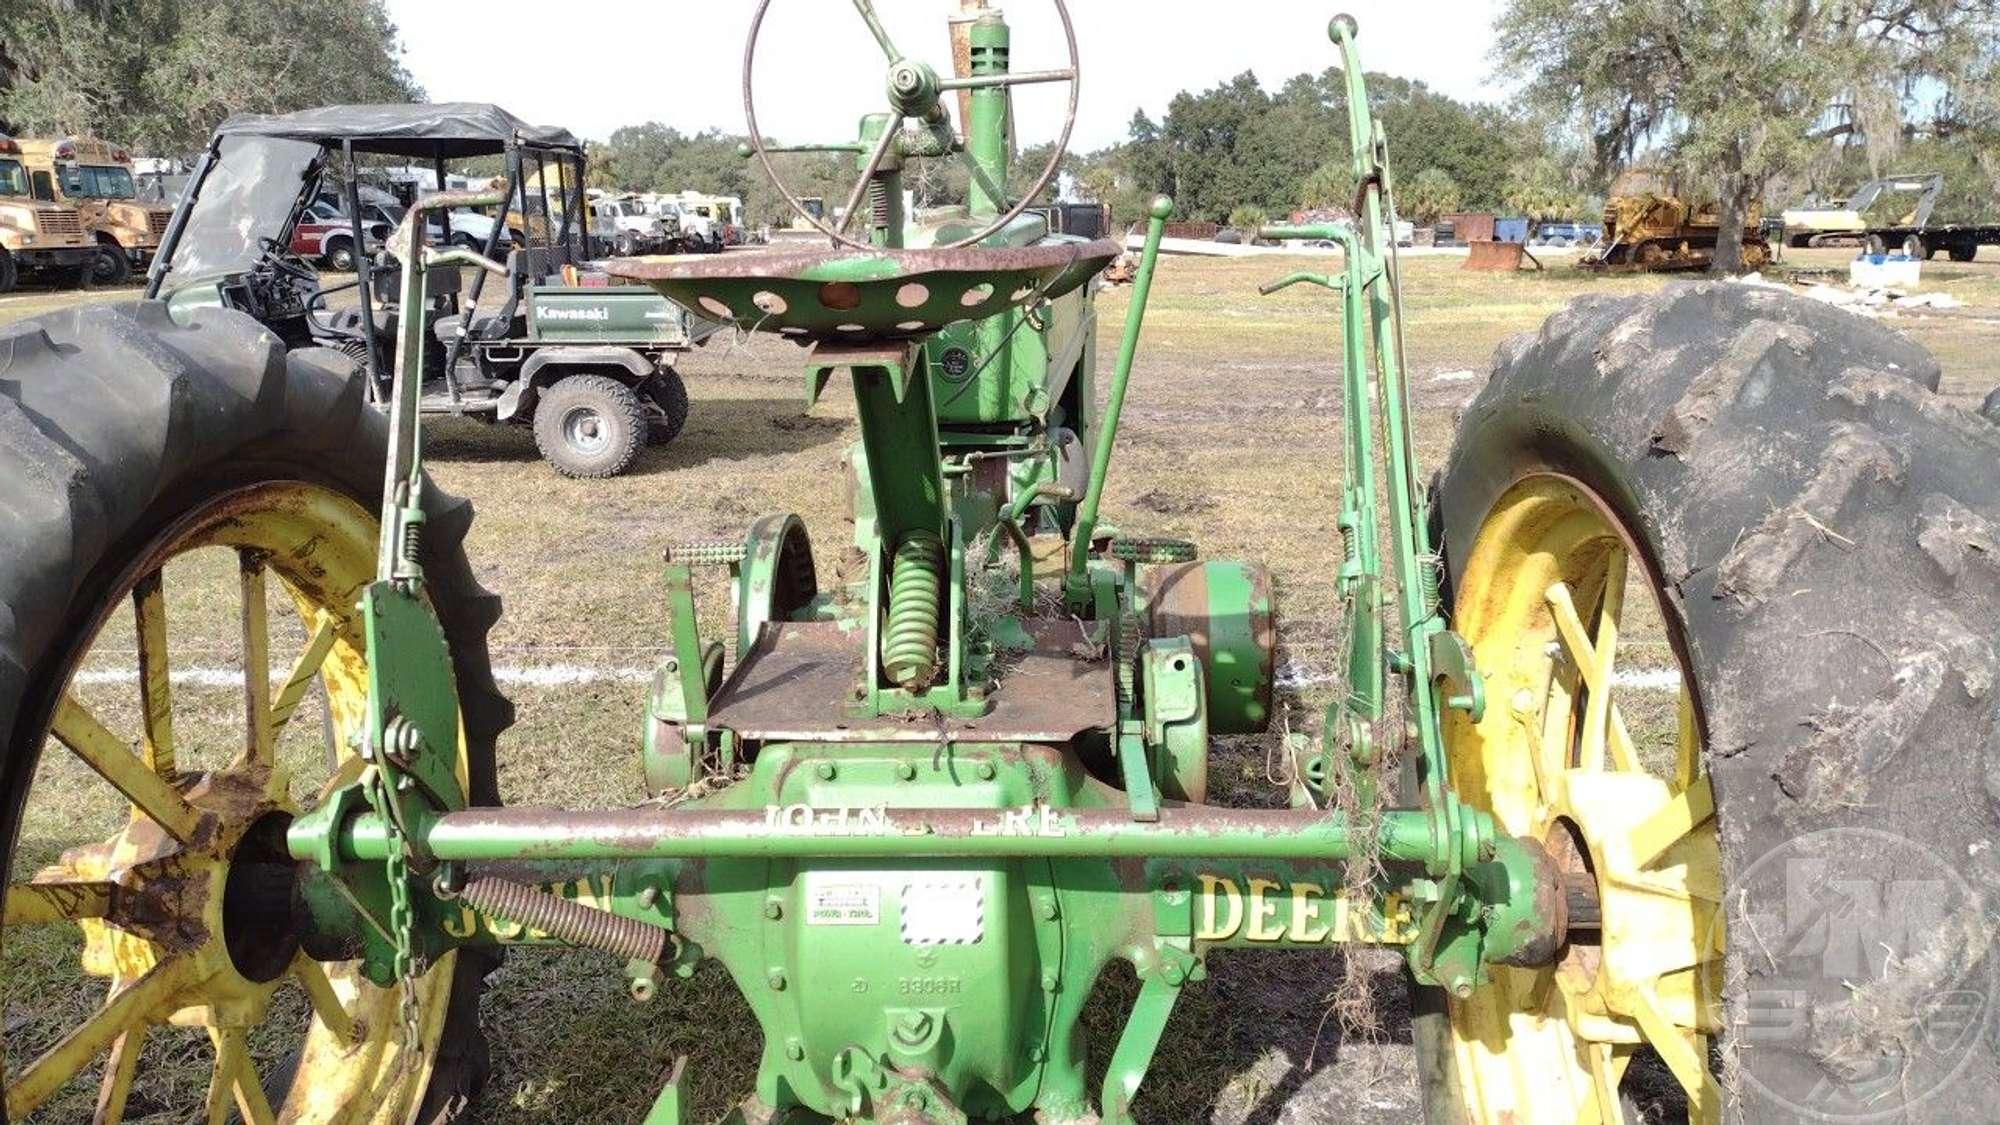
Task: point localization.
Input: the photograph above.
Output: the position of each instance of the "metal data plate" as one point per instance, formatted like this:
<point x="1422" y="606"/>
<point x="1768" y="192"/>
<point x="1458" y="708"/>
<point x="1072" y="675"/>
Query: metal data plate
<point x="944" y="909"/>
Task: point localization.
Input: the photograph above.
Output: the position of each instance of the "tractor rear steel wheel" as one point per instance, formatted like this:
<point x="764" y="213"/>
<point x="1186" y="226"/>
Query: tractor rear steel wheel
<point x="1726" y="561"/>
<point x="164" y="493"/>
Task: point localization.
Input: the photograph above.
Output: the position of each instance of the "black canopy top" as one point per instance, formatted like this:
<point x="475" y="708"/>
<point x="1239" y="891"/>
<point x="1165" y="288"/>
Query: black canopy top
<point x="448" y="130"/>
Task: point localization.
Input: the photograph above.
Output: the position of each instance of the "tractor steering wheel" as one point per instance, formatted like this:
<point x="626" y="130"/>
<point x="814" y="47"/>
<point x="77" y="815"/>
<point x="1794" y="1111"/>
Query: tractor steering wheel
<point x="914" y="91"/>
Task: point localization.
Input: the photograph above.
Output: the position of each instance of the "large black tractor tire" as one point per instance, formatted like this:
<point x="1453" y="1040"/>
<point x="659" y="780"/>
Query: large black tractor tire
<point x="111" y="266"/>
<point x="591" y="427"/>
<point x="1824" y="531"/>
<point x="668" y="391"/>
<point x="1963" y="251"/>
<point x="117" y="423"/>
<point x="10" y="274"/>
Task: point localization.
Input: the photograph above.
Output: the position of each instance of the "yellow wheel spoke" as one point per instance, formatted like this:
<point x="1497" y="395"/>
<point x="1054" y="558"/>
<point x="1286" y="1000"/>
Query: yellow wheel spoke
<point x="1665" y="826"/>
<point x="258" y="736"/>
<point x="1687" y="751"/>
<point x="1604" y="731"/>
<point x="1558" y="735"/>
<point x="55" y="899"/>
<point x="235" y="1079"/>
<point x="116" y="1086"/>
<point x="1607" y="1070"/>
<point x="304" y="671"/>
<point x="325" y="1002"/>
<point x="1685" y="1053"/>
<point x="156" y="705"/>
<point x="124" y="1012"/>
<point x="1602" y="656"/>
<point x="114" y="761"/>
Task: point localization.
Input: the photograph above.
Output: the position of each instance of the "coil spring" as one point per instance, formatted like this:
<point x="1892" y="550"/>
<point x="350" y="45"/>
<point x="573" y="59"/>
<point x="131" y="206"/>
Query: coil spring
<point x="566" y="921"/>
<point x="910" y="642"/>
<point x="878" y="200"/>
<point x="1431" y="568"/>
<point x="413" y="541"/>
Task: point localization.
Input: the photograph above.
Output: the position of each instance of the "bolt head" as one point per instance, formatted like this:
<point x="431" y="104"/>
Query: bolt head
<point x="773" y="909"/>
<point x="649" y="896"/>
<point x="1050" y="981"/>
<point x="776" y="979"/>
<point x="906" y="770"/>
<point x="1175" y="974"/>
<point x="826" y="771"/>
<point x="986" y="771"/>
<point x="795" y="1050"/>
<point x="1461" y="987"/>
<point x="1049" y="909"/>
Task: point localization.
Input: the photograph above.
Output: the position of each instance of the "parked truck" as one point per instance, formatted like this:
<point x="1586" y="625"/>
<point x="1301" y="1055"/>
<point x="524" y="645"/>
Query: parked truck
<point x="96" y="177"/>
<point x="1891" y="213"/>
<point x="38" y="237"/>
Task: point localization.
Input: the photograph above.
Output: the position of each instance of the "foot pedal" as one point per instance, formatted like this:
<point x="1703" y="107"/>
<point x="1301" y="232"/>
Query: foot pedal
<point x="1153" y="552"/>
<point x="714" y="552"/>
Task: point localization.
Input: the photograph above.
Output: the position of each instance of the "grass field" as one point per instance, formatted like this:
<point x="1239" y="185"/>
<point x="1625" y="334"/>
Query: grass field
<point x="1231" y="438"/>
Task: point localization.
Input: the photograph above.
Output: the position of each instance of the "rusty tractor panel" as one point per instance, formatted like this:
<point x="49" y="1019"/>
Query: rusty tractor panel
<point x="1495" y="257"/>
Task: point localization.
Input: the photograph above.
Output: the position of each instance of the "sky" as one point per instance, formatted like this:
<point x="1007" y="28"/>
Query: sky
<point x="818" y="72"/>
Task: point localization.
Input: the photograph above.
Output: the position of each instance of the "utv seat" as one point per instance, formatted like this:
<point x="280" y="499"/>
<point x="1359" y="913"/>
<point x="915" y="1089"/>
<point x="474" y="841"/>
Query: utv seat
<point x="537" y="266"/>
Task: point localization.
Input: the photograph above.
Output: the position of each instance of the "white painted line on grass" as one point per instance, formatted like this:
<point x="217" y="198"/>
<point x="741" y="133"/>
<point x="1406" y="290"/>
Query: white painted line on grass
<point x="545" y="675"/>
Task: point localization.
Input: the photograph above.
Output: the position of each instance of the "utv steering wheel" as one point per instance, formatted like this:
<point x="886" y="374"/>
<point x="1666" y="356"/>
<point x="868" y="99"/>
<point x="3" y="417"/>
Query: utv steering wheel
<point x="281" y="260"/>
<point x="914" y="92"/>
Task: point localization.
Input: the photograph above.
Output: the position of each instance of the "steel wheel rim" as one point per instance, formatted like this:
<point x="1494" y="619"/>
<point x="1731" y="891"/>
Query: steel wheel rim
<point x="585" y="431"/>
<point x="1550" y="762"/>
<point x="351" y="1060"/>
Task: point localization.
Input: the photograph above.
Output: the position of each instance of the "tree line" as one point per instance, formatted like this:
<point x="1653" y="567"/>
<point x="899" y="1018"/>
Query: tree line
<point x="1750" y="101"/>
<point x="160" y="75"/>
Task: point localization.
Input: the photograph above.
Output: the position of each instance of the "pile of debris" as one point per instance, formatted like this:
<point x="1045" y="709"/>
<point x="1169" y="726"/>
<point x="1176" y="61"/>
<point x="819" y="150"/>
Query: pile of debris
<point x="1866" y="301"/>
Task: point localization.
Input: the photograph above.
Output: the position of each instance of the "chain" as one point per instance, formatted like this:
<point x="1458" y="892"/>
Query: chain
<point x="402" y="914"/>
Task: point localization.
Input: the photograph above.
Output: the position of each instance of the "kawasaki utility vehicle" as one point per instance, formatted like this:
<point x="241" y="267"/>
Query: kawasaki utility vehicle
<point x="540" y="340"/>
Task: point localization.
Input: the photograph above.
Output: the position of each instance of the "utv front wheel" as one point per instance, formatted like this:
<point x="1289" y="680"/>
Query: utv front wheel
<point x="169" y="496"/>
<point x="1724" y="560"/>
<point x="590" y="426"/>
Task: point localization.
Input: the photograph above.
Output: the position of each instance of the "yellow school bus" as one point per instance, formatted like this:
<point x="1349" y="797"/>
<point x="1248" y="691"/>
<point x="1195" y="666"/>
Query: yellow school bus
<point x="95" y="177"/>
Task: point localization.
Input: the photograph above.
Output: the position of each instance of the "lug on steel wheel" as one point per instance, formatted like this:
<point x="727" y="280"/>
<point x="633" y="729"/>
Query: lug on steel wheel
<point x="181" y="673"/>
<point x="1610" y="781"/>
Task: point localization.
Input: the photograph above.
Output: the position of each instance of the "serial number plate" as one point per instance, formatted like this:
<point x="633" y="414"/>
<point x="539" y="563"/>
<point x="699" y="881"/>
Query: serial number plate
<point x="843" y="903"/>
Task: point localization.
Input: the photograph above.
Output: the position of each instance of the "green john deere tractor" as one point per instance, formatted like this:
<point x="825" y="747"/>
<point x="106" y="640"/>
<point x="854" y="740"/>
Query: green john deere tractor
<point x="915" y="816"/>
